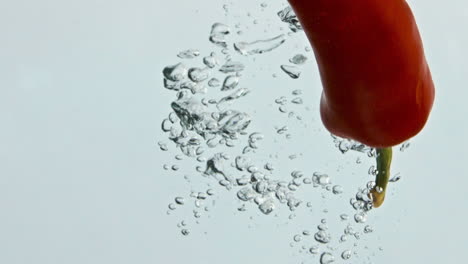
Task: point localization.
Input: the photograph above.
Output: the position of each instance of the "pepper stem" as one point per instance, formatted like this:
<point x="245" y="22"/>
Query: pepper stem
<point x="384" y="159"/>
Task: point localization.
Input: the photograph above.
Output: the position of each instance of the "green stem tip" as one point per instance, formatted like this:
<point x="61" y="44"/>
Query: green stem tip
<point x="384" y="160"/>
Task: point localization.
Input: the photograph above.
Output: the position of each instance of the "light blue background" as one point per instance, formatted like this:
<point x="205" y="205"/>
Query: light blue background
<point x="81" y="179"/>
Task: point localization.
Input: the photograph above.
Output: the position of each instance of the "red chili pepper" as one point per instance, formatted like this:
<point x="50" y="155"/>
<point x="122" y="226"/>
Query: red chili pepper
<point x="377" y="86"/>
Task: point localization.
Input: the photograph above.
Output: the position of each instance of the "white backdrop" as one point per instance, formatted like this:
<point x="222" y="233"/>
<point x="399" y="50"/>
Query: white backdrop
<point x="81" y="178"/>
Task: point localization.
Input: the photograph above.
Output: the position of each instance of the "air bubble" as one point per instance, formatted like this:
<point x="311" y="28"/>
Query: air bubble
<point x="327" y="258"/>
<point x="188" y="54"/>
<point x="291" y="71"/>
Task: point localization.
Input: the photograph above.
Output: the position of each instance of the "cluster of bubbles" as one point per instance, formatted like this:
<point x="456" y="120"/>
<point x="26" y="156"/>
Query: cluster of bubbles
<point x="206" y="124"/>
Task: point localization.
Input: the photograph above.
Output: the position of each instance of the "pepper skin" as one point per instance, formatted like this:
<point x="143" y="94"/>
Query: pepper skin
<point x="377" y="86"/>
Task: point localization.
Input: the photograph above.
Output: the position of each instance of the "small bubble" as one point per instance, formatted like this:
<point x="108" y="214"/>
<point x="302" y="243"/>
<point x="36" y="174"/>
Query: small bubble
<point x="322" y="237"/>
<point x="246" y="194"/>
<point x="188" y="54"/>
<point x="242" y="208"/>
<point x="337" y="189"/>
<point x="306" y="233"/>
<point x="395" y="178"/>
<point x="291" y="71"/>
<point x="322" y="227"/>
<point x="196" y="214"/>
<point x="298" y="59"/>
<point x="404" y="146"/>
<point x="201" y="196"/>
<point x="224" y="183"/>
<point x="370" y="185"/>
<point x="292" y="187"/>
<point x="230" y="82"/>
<point x="213" y="82"/>
<point x="379" y="189"/>
<point x="210" y="61"/>
<point x="232" y="66"/>
<point x="346" y="254"/>
<point x="360" y="217"/>
<point x="259" y="46"/>
<point x="219" y="33"/>
<point x="344" y="217"/>
<point x="321" y="179"/>
<point x="368" y="229"/>
<point x="172" y="206"/>
<point x="175" y="72"/>
<point x="252" y="169"/>
<point x="314" y="250"/>
<point x="297" y="238"/>
<point x="297" y="100"/>
<point x="307" y="181"/>
<point x="267" y="206"/>
<point x="185" y="232"/>
<point x="288" y="16"/>
<point x="198" y="75"/>
<point x="269" y="166"/>
<point x="163" y="146"/>
<point x="343" y="238"/>
<point x="357" y="235"/>
<point x="349" y="230"/>
<point x="179" y="200"/>
<point x="327" y="258"/>
<point x="283" y="109"/>
<point x="166" y="125"/>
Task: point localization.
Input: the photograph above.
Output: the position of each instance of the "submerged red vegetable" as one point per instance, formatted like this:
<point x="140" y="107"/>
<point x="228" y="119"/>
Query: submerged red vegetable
<point x="377" y="86"/>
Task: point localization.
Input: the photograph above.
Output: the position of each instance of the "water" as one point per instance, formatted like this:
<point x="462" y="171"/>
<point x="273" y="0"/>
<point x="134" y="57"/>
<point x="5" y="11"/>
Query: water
<point x="211" y="122"/>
